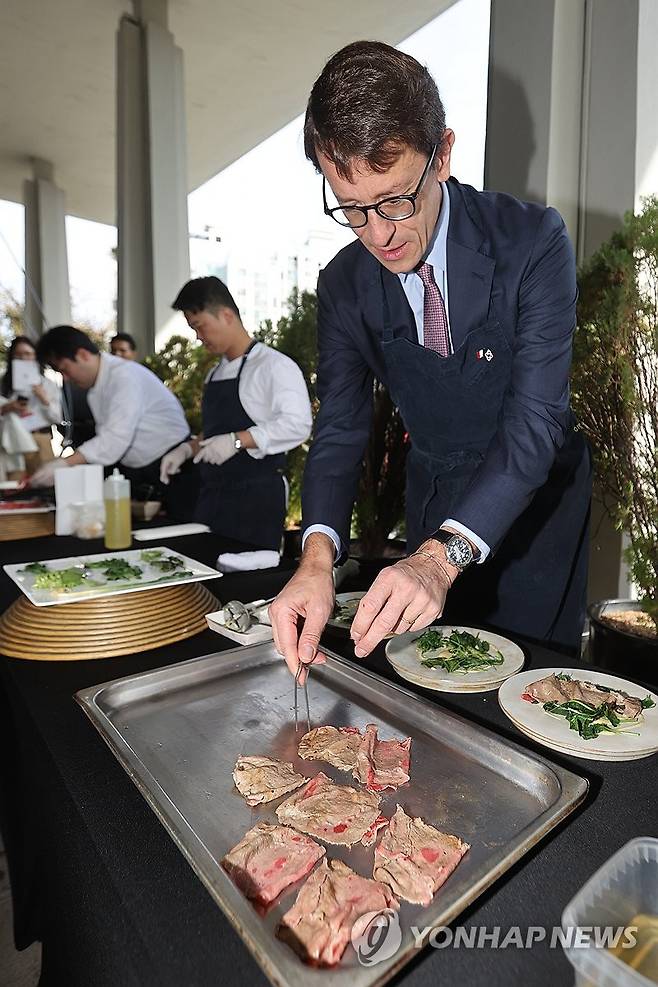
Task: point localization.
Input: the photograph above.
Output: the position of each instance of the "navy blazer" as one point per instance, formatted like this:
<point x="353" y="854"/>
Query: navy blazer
<point x="508" y="261"/>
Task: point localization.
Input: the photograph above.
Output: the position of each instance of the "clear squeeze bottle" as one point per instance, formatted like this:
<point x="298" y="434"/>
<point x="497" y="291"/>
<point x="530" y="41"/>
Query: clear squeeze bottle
<point x="116" y="494"/>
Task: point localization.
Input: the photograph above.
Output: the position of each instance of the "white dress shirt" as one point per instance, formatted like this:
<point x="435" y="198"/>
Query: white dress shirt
<point x="137" y="418"/>
<point x="273" y="392"/>
<point x="437" y="256"/>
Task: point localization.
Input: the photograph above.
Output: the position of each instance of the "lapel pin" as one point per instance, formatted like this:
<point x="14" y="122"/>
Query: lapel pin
<point x="487" y="354"/>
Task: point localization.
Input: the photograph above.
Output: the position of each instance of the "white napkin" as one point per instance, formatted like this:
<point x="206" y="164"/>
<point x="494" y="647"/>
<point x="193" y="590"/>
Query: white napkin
<point x="246" y="561"/>
<point x="73" y="486"/>
<point x="170" y="531"/>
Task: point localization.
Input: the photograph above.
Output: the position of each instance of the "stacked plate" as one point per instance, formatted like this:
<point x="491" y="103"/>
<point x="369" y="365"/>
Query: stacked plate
<point x="554" y="731"/>
<point x="402" y="654"/>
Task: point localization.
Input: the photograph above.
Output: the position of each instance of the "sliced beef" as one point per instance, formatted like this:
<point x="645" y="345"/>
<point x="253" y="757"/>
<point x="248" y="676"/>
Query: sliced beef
<point x="554" y="689"/>
<point x="334" y="745"/>
<point x="382" y="764"/>
<point x="319" y="924"/>
<point x="270" y="858"/>
<point x="334" y="813"/>
<point x="415" y="859"/>
<point x="370" y="836"/>
<point x="262" y="779"/>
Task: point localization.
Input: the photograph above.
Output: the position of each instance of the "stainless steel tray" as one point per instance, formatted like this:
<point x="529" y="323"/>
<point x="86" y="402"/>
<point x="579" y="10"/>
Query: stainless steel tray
<point x="178" y="731"/>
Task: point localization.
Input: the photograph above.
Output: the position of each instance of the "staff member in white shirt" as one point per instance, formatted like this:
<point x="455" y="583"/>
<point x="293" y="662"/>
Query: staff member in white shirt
<point x="255" y="408"/>
<point x="137" y="419"/>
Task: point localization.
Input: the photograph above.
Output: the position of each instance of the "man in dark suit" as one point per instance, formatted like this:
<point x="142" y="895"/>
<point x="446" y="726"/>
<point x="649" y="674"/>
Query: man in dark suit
<point x="463" y="304"/>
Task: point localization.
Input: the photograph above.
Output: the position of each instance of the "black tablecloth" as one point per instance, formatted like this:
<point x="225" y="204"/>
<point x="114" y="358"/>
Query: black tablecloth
<point x="97" y="879"/>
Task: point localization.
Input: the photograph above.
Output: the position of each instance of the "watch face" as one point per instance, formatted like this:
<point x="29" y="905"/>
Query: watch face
<point x="458" y="552"/>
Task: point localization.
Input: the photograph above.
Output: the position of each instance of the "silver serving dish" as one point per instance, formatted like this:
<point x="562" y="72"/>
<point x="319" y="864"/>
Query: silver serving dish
<point x="178" y="731"/>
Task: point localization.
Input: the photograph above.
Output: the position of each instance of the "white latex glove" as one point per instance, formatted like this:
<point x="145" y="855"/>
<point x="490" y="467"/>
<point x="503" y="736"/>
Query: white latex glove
<point x="45" y="475"/>
<point x="216" y="450"/>
<point x="171" y="464"/>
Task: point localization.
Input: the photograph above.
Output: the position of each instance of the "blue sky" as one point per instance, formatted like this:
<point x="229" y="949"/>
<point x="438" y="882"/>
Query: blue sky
<point x="454" y="47"/>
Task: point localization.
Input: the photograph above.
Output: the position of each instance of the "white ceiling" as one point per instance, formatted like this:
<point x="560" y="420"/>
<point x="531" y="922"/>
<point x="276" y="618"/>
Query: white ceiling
<point x="248" y="70"/>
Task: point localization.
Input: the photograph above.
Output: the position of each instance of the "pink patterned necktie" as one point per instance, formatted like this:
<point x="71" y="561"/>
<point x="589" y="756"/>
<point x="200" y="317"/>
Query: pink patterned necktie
<point x="435" y="321"/>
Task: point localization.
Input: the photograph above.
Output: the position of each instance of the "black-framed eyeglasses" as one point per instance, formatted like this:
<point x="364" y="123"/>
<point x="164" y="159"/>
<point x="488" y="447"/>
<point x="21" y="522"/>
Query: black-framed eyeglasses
<point x="395" y="208"/>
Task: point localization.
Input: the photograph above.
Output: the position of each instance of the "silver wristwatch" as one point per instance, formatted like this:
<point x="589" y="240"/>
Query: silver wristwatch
<point x="458" y="549"/>
<point x="237" y="442"/>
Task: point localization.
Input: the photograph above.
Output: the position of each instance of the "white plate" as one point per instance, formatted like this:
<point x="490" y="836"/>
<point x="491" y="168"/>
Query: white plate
<point x="402" y="654"/>
<point x="554" y="732"/>
<point x="153" y="578"/>
<point x="13" y="511"/>
<point x="586" y="755"/>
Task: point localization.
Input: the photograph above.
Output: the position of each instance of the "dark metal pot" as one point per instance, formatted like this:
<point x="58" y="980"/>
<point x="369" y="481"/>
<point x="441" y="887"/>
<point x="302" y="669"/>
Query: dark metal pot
<point x="620" y="652"/>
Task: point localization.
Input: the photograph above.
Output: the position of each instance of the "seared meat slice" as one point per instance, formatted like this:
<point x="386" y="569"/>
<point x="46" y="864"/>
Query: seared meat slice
<point x="370" y="836"/>
<point x="334" y="813"/>
<point x="415" y="859"/>
<point x="561" y="690"/>
<point x="319" y="924"/>
<point x="263" y="779"/>
<point x="382" y="764"/>
<point x="335" y="745"/>
<point x="270" y="858"/>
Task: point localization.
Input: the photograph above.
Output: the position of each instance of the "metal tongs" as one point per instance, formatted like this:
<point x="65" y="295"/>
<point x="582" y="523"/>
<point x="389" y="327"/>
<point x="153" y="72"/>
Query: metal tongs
<point x="300" y="666"/>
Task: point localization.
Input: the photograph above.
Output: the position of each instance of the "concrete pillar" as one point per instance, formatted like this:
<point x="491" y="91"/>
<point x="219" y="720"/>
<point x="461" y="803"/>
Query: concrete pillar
<point x="47" y="294"/>
<point x="571" y="122"/>
<point x="534" y="102"/>
<point x="153" y="251"/>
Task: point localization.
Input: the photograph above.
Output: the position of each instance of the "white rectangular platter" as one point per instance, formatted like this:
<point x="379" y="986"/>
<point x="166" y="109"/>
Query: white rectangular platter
<point x="95" y="585"/>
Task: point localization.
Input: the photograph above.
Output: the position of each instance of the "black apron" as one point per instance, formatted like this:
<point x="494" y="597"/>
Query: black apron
<point x="244" y="498"/>
<point x="535" y="583"/>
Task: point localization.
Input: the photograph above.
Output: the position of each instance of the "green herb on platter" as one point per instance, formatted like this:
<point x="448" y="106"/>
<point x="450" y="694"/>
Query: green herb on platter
<point x="115" y="569"/>
<point x="35" y="568"/>
<point x="458" y="652"/>
<point x="647" y="702"/>
<point x="168" y="564"/>
<point x="151" y="554"/>
<point x="64" y="579"/>
<point x="586" y="718"/>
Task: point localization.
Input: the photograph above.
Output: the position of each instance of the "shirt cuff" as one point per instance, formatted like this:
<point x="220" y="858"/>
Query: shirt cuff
<point x="323" y="529"/>
<point x="260" y="438"/>
<point x="467" y="533"/>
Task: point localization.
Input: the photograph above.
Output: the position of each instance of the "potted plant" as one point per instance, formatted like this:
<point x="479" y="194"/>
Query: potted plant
<point x="615" y="396"/>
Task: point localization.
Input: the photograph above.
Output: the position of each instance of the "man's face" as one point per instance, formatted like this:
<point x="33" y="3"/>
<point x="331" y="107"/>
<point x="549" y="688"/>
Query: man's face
<point x="83" y="370"/>
<point x="398" y="246"/>
<point x="211" y="329"/>
<point x="120" y="347"/>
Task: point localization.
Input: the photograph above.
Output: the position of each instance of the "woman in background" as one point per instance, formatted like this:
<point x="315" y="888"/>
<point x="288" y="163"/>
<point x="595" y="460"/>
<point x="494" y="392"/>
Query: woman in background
<point x="38" y="407"/>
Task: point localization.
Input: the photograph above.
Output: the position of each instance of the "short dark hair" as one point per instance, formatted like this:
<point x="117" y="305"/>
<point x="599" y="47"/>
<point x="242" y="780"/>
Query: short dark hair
<point x="124" y="337"/>
<point x="370" y="102"/>
<point x="202" y="294"/>
<point x="62" y="343"/>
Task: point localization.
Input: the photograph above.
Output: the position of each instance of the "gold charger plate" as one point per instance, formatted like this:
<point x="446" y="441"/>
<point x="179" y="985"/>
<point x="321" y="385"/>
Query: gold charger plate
<point x="105" y="628"/>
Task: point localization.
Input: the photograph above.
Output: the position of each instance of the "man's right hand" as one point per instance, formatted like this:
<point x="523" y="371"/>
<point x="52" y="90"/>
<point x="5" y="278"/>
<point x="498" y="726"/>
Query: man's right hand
<point x="304" y="605"/>
<point x="171" y="464"/>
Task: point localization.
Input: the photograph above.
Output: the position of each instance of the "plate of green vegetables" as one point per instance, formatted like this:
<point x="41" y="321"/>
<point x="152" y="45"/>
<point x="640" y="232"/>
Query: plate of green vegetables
<point x="87" y="577"/>
<point x="454" y="659"/>
<point x="600" y="717"/>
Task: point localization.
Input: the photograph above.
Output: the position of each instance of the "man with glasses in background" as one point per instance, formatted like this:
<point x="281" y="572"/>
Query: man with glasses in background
<point x="463" y="304"/>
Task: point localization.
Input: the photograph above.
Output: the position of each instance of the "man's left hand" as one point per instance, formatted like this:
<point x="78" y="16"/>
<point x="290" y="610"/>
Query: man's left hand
<point x="216" y="450"/>
<point x="404" y="597"/>
<point x="45" y="475"/>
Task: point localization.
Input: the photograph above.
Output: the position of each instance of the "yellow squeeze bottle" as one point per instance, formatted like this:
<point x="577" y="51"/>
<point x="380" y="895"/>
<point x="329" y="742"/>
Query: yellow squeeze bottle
<point x="116" y="494"/>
